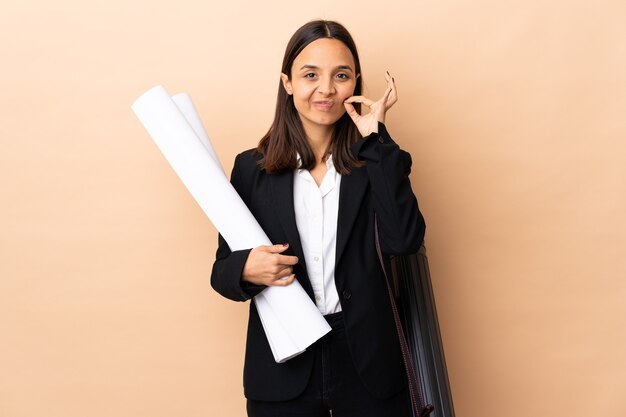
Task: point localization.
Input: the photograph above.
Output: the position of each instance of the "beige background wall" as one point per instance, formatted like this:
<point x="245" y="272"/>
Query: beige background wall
<point x="513" y="112"/>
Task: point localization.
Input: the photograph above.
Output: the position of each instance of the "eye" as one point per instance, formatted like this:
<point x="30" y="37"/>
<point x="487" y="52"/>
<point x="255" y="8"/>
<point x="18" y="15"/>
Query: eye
<point x="309" y="75"/>
<point x="343" y="76"/>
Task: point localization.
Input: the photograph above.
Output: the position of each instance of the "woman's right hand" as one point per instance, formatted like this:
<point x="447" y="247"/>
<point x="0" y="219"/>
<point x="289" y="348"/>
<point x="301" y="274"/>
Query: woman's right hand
<point x="266" y="266"/>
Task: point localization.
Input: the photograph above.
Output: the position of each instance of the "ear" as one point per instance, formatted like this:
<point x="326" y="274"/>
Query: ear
<point x="286" y="83"/>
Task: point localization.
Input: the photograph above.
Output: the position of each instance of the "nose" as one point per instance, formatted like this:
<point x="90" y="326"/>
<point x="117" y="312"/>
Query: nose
<point x="326" y="86"/>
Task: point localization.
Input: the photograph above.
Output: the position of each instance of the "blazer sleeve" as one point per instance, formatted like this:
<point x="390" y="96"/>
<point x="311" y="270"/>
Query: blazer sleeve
<point x="228" y="265"/>
<point x="400" y="222"/>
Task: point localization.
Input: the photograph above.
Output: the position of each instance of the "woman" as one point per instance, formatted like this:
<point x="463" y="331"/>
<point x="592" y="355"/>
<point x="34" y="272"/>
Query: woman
<point x="314" y="183"/>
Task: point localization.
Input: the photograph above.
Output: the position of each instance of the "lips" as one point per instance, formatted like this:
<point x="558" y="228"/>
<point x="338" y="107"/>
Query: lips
<point x="323" y="104"/>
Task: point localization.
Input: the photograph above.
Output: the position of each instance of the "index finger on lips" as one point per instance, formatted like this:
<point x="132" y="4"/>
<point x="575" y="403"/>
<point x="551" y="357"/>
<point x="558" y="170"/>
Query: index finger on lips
<point x="350" y="110"/>
<point x="359" y="99"/>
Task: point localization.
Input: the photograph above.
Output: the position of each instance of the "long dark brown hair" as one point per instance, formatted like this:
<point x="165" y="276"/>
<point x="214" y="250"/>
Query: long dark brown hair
<point x="286" y="136"/>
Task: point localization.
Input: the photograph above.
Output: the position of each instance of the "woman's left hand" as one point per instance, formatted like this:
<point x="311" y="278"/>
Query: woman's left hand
<point x="368" y="123"/>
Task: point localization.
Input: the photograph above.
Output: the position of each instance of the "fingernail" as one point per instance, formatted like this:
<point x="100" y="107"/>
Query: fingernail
<point x="285" y="244"/>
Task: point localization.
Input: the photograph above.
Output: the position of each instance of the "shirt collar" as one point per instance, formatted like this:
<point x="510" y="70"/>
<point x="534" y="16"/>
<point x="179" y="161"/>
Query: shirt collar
<point x="329" y="162"/>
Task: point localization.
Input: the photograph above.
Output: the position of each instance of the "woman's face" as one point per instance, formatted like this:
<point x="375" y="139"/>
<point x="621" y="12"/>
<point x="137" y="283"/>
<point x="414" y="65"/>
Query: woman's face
<point x="322" y="77"/>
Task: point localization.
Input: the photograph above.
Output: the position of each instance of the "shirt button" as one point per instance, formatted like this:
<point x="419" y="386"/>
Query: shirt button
<point x="317" y="298"/>
<point x="346" y="294"/>
<point x="316" y="259"/>
<point x="381" y="140"/>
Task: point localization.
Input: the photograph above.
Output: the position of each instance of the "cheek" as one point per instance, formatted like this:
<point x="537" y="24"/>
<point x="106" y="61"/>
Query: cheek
<point x="346" y="90"/>
<point x="302" y="91"/>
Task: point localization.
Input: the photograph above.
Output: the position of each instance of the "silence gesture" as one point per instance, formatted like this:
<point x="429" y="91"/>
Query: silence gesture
<point x="368" y="123"/>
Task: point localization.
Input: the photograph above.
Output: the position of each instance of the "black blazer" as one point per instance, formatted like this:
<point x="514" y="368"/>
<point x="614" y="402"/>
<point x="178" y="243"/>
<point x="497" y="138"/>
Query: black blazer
<point x="381" y="186"/>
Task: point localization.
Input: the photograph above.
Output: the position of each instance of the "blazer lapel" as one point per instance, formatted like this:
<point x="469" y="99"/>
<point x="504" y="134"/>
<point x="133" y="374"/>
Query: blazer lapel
<point x="282" y="196"/>
<point x="351" y="192"/>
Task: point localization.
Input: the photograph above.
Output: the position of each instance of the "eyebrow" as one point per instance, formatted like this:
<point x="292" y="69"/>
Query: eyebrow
<point x="339" y="67"/>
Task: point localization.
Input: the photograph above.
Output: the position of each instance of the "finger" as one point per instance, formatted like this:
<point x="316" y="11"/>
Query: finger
<point x="281" y="270"/>
<point x="386" y="95"/>
<point x="286" y="260"/>
<point x="393" y="97"/>
<point x="381" y="104"/>
<point x="389" y="80"/>
<point x="359" y="99"/>
<point x="273" y="248"/>
<point x="354" y="115"/>
<point x="284" y="281"/>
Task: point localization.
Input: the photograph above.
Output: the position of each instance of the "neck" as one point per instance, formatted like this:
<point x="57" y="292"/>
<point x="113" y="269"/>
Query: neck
<point x="319" y="138"/>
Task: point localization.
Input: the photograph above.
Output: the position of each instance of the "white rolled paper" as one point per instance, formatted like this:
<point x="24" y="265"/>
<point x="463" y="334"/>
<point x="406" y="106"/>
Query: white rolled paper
<point x="185" y="105"/>
<point x="291" y="320"/>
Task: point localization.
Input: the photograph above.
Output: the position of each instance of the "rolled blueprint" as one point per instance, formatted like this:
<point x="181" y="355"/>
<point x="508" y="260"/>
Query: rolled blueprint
<point x="290" y="319"/>
<point x="185" y="105"/>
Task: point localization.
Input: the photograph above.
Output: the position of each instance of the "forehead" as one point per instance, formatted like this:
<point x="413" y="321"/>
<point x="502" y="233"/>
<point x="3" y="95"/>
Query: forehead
<point x="324" y="53"/>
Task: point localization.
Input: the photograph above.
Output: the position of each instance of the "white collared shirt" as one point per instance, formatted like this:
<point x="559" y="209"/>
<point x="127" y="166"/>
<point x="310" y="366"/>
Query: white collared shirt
<point x="316" y="209"/>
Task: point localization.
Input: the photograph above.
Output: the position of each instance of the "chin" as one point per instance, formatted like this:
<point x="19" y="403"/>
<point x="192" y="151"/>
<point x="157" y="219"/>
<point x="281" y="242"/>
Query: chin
<point x="324" y="119"/>
<point x="329" y="120"/>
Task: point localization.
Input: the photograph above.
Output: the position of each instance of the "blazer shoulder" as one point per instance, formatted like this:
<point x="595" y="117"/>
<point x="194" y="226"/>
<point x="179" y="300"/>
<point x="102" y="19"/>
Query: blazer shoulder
<point x="245" y="171"/>
<point x="248" y="159"/>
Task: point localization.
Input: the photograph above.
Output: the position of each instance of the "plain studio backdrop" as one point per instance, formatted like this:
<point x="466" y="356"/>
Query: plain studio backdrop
<point x="514" y="113"/>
